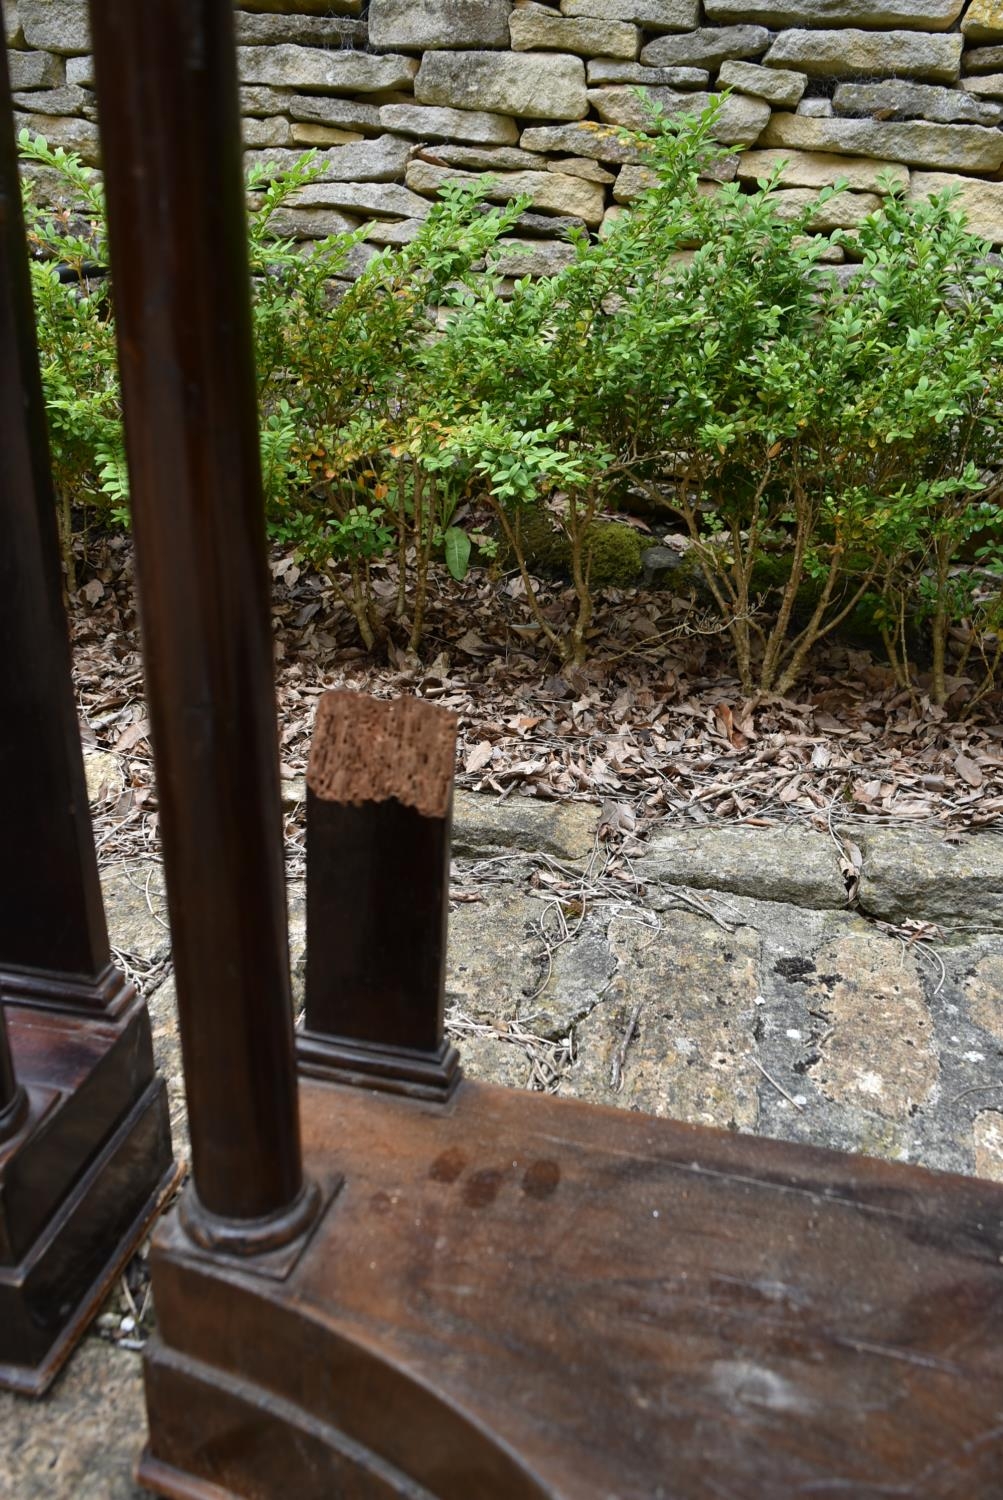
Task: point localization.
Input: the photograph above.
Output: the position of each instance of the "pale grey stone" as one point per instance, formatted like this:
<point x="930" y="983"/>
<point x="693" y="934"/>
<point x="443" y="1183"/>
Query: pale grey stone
<point x="740" y="122"/>
<point x="983" y="21"/>
<point x="653" y="15"/>
<point x="260" y="100"/>
<point x="991" y="86"/>
<point x="484" y="827"/>
<point x="13" y="35"/>
<point x="64" y="101"/>
<point x="579" y="978"/>
<point x="320" y="137"/>
<point x="79" y="136"/>
<point x="80" y="70"/>
<point x="580" y="166"/>
<point x="964" y="147"/>
<point x="545" y="190"/>
<point x="532" y="257"/>
<point x="791" y="864"/>
<point x="692" y="1054"/>
<point x="605" y="70"/>
<point x="293" y="67"/>
<point x="844" y="211"/>
<point x="379" y="160"/>
<point x="919" y="876"/>
<point x="981" y="202"/>
<point x="36" y="70"/>
<point x="136" y="903"/>
<point x="420" y="25"/>
<point x="534" y="87"/>
<point x="982" y="60"/>
<point x="494" y="959"/>
<point x="776" y="85"/>
<point x="818" y="169"/>
<point x="921" y="15"/>
<point x="897" y="100"/>
<point x="307" y="7"/>
<point x="545" y="226"/>
<point x="708" y="47"/>
<point x="273" y="132"/>
<point x="534" y="27"/>
<point x="313" y="31"/>
<point x="57" y="25"/>
<point x="631" y="182"/>
<point x="816" y="109"/>
<point x="601" y="142"/>
<point x="328" y="109"/>
<point x="486" y="158"/>
<point x="385" y="200"/>
<point x="850" y="53"/>
<point x="396" y="232"/>
<point x="429" y="124"/>
<point x="103" y="773"/>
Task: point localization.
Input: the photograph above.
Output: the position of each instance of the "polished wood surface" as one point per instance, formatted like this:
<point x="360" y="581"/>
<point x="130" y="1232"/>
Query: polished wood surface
<point x="13" y="1100"/>
<point x="520" y="1296"/>
<point x="52" y="927"/>
<point x="167" y="95"/>
<point x="379" y="810"/>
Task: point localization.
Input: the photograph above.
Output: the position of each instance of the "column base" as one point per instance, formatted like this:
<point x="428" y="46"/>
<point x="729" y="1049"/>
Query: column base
<point x="432" y="1076"/>
<point x="80" y="1184"/>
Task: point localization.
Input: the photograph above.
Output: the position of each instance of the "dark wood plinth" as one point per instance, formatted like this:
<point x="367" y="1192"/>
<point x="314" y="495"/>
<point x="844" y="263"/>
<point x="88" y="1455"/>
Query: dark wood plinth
<point x="431" y="1076"/>
<point x="518" y="1296"/>
<point x="80" y="1183"/>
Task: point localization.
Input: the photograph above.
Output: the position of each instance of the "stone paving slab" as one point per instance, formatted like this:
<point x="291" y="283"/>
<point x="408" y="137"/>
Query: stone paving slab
<point x="732" y="987"/>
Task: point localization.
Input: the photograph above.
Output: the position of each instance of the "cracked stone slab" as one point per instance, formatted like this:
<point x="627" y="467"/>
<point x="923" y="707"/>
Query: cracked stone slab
<point x="915" y="873"/>
<point x="691" y="1055"/>
<point x="790" y="863"/>
<point x="494" y="960"/>
<point x="879" y="1052"/>
<point x="136" y="908"/>
<point x="580" y="976"/>
<point x="484" y="826"/>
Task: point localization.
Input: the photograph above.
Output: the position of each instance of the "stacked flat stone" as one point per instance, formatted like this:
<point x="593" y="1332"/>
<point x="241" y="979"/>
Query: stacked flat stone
<point x="416" y="93"/>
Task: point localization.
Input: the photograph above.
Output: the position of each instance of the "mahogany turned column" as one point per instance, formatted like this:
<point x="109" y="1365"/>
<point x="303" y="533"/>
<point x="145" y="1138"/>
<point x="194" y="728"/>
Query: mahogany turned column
<point x="53" y="941"/>
<point x="167" y="94"/>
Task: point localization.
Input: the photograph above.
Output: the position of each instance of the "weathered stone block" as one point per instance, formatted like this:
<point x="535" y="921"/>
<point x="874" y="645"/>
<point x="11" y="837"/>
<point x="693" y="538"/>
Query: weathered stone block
<point x="385" y="200"/>
<point x="322" y="135"/>
<point x="849" y="53"/>
<point x="984" y="21"/>
<point x="57" y="25"/>
<point x="307" y="7"/>
<point x="487" y="158"/>
<point x="989" y="86"/>
<point x="533" y="257"/>
<point x="64" y="101"/>
<point x="429" y="124"/>
<point x="336" y="72"/>
<point x="533" y="87"/>
<point x="982" y="60"/>
<point x="653" y="15"/>
<point x="537" y="27"/>
<point x="981" y="202"/>
<point x="312" y="223"/>
<point x="740" y="121"/>
<point x="898" y="100"/>
<point x="13" y="35"/>
<point x="545" y="190"/>
<point x="919" y="15"/>
<point x="379" y="160"/>
<point x="819" y="109"/>
<point x="788" y="864"/>
<point x="844" y="211"/>
<point x="310" y="31"/>
<point x="708" y="47"/>
<point x="80" y="136"/>
<point x="958" y="886"/>
<point x="971" y="148"/>
<point x="600" y="142"/>
<point x="580" y="166"/>
<point x="818" y="169"/>
<point x="778" y="86"/>
<point x="80" y="70"/>
<point x="606" y="70"/>
<point x="394" y="232"/>
<point x="328" y="109"/>
<point x="36" y="70"/>
<point x="417" y="25"/>
<point x="273" y="132"/>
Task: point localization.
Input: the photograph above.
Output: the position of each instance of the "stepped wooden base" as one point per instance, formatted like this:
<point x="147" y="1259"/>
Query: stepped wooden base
<point x="518" y="1296"/>
<point x="80" y="1183"/>
<point x="431" y="1076"/>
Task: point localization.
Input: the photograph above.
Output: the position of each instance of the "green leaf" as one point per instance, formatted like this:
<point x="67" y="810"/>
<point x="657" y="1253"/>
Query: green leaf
<point x="457" y="549"/>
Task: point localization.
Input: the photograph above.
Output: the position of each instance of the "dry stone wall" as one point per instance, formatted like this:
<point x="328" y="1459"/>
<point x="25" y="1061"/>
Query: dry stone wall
<point x="400" y="96"/>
